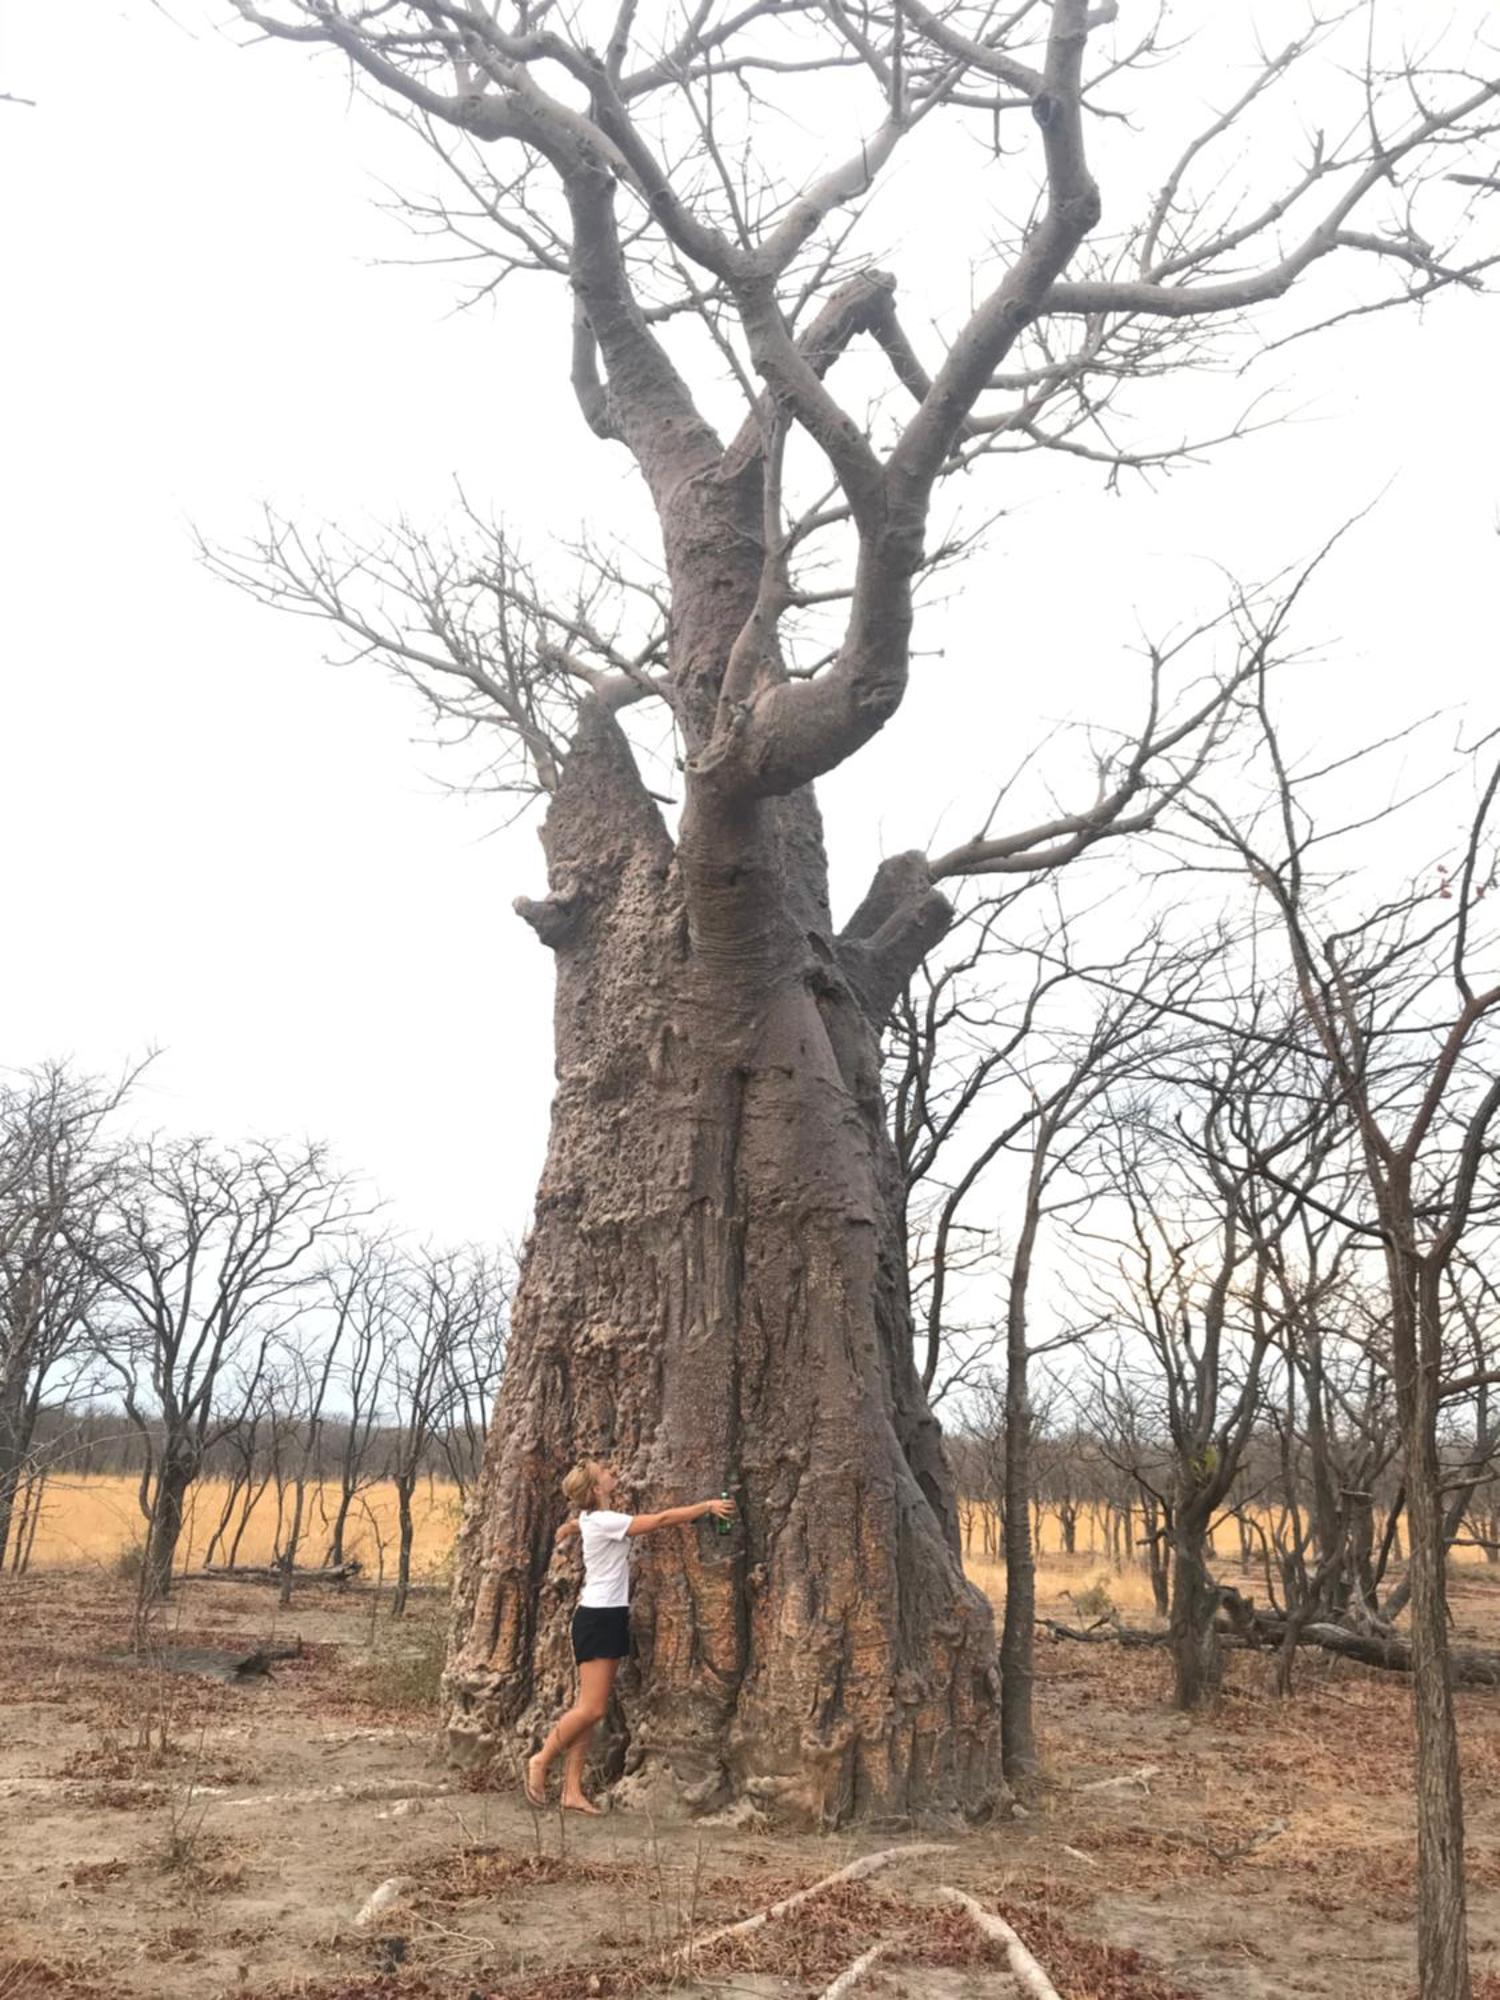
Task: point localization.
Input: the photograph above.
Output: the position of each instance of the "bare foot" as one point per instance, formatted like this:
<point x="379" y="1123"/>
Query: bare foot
<point x="576" y="1802"/>
<point x="536" y="1780"/>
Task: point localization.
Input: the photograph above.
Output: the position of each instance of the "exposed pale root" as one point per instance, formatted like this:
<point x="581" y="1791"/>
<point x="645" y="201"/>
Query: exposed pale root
<point x="382" y="1899"/>
<point x="1139" y="1781"/>
<point x="851" y="1975"/>
<point x="867" y="1864"/>
<point x="1030" y="1975"/>
<point x="374" y="1793"/>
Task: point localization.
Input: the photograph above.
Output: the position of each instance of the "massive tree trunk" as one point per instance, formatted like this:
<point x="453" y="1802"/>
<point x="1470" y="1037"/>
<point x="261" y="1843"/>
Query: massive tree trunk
<point x="714" y="1296"/>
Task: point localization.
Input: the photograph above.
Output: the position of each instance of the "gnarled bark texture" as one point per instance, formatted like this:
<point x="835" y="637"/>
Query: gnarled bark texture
<point x="714" y="1296"/>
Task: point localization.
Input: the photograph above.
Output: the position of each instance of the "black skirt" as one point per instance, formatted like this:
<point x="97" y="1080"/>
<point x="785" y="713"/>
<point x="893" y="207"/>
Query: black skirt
<point x="601" y="1632"/>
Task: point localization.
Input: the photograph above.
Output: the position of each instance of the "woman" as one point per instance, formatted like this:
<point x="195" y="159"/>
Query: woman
<point x="601" y="1624"/>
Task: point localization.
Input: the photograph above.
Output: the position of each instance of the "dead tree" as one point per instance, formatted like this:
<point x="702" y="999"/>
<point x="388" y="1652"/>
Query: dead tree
<point x="315" y="1353"/>
<point x="439" y="1303"/>
<point x="472" y="1368"/>
<point x="217" y="1248"/>
<point x="1197" y="1297"/>
<point x="239" y="1443"/>
<point x="354" y="1294"/>
<point x="1395" y="1010"/>
<point x="57" y="1168"/>
<point x="1123" y="1420"/>
<point x="714" y="1292"/>
<point x="1335" y="1427"/>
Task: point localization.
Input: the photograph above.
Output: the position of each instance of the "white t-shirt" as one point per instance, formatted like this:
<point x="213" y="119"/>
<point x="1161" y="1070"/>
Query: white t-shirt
<point x="607" y="1553"/>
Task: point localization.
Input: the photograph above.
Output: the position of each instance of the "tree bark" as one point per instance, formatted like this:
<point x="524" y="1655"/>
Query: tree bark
<point x="175" y="1476"/>
<point x="1416" y="1340"/>
<point x="335" y="1554"/>
<point x="15" y="1442"/>
<point x="407" y="1532"/>
<point x="714" y="1296"/>
<point x="1017" y="1641"/>
<point x="1196" y="1659"/>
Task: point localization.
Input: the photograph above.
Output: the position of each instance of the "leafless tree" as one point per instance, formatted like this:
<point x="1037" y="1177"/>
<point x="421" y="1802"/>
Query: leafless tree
<point x="1032" y="1088"/>
<point x="1399" y="1003"/>
<point x="244" y="1407"/>
<point x="472" y="1366"/>
<point x="714" y="1292"/>
<point x="57" y="1170"/>
<point x="1195" y="1294"/>
<point x="218" y="1249"/>
<point x="314" y="1359"/>
<point x="354" y="1294"/>
<point x="440" y="1304"/>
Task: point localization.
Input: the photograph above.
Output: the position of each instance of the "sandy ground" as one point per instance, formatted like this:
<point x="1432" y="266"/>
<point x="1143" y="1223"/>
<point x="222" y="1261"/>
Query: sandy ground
<point x="168" y="1836"/>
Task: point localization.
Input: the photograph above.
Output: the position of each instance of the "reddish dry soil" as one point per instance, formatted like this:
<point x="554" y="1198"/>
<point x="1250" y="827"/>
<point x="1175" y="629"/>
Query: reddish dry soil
<point x="165" y="1836"/>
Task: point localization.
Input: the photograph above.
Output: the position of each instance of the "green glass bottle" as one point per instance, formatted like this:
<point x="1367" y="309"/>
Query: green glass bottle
<point x="722" y="1527"/>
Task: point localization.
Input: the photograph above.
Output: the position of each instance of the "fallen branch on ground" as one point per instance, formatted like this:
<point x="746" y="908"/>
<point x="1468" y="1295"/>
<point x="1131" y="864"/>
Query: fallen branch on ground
<point x="1467" y="1667"/>
<point x="274" y="1573"/>
<point x="1022" y="1964"/>
<point x="264" y="1658"/>
<point x="850" y="1977"/>
<point x="1105" y="1632"/>
<point x="867" y="1864"/>
<point x="376" y="1792"/>
<point x="229" y="1667"/>
<point x="1138" y="1779"/>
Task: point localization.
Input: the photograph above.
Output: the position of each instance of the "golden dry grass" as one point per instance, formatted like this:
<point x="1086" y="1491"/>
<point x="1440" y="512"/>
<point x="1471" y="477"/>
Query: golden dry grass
<point x="1070" y="1577"/>
<point x="97" y="1520"/>
<point x="1092" y="1543"/>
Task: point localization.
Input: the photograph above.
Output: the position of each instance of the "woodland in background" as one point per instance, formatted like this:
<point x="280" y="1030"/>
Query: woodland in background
<point x="179" y="1310"/>
<point x="1162" y="1123"/>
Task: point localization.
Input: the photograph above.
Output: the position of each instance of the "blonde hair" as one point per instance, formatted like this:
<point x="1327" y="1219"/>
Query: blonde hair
<point x="579" y="1487"/>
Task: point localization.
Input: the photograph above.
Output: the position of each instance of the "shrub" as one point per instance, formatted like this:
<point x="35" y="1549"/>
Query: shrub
<point x="1094" y="1600"/>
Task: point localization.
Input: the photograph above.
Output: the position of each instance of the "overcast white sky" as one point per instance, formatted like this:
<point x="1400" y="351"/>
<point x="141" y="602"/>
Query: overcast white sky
<point x="221" y="846"/>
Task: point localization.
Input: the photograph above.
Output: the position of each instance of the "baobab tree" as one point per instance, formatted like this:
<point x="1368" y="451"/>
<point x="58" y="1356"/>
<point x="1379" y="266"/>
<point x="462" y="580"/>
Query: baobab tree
<point x="715" y="1290"/>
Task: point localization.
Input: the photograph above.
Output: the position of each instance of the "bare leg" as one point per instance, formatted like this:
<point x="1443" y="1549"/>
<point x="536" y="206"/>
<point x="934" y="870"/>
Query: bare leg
<point x="596" y="1679"/>
<point x="536" y="1772"/>
<point x="573" y="1796"/>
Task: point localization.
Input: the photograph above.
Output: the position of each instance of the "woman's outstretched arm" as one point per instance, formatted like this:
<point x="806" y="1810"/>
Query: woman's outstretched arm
<point x="676" y="1517"/>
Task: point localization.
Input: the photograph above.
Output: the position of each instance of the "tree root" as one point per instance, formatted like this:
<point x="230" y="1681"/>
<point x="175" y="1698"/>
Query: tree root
<point x="1028" y="1973"/>
<point x="867" y="1864"/>
<point x="375" y="1905"/>
<point x="851" y="1975"/>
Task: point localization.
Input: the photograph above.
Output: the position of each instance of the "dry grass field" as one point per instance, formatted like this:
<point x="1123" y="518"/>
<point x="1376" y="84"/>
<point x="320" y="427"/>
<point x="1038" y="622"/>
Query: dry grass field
<point x="96" y="1521"/>
<point x="168" y="1835"/>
